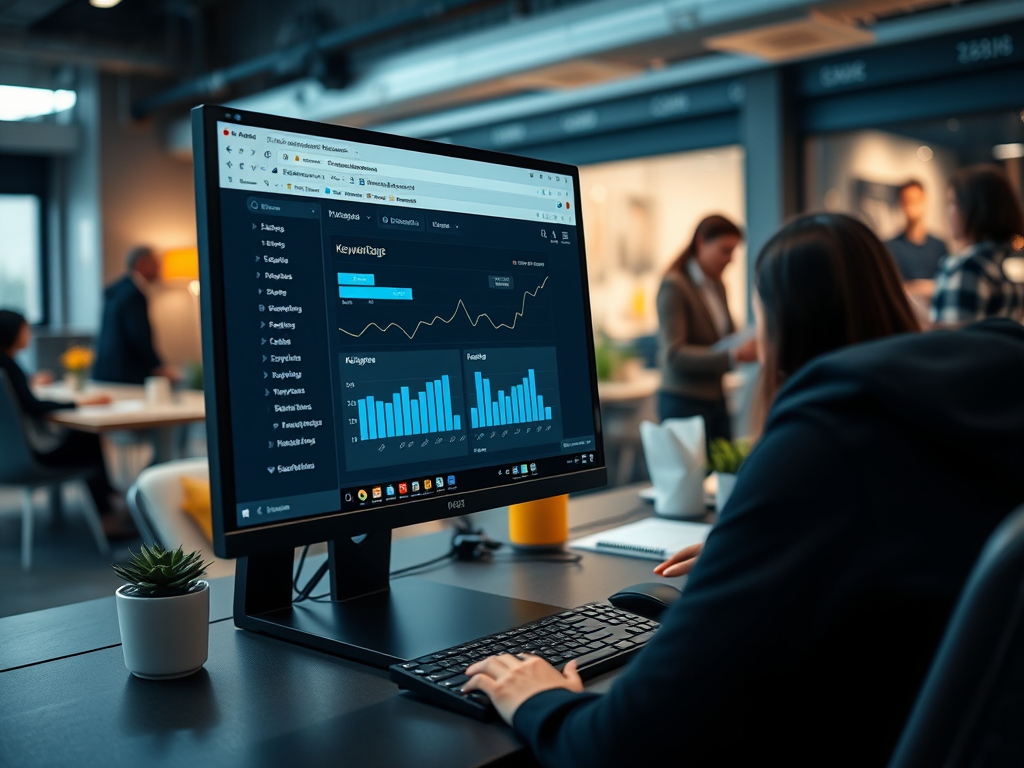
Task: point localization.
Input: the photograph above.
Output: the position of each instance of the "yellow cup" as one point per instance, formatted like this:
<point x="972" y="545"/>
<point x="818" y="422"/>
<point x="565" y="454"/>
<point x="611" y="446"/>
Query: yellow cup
<point x="541" y="524"/>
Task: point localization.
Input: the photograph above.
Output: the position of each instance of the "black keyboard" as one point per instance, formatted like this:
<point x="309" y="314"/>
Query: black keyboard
<point x="597" y="636"/>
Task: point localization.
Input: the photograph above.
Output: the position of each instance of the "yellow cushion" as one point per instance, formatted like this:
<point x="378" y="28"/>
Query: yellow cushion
<point x="196" y="504"/>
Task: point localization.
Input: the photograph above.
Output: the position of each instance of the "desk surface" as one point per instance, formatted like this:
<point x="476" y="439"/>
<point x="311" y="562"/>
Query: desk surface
<point x="129" y="409"/>
<point x="262" y="702"/>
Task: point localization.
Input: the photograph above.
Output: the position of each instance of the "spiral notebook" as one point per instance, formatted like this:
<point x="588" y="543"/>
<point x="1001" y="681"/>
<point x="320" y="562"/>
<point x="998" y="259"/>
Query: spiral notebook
<point x="650" y="539"/>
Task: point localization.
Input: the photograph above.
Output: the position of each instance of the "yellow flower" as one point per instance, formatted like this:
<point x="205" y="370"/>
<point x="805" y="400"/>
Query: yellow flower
<point x="77" y="359"/>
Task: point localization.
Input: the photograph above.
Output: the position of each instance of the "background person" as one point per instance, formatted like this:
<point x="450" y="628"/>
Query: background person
<point x="823" y="283"/>
<point x="916" y="252"/>
<point x="693" y="314"/>
<point x="59" y="447"/>
<point x="984" y="215"/>
<point x="124" y="349"/>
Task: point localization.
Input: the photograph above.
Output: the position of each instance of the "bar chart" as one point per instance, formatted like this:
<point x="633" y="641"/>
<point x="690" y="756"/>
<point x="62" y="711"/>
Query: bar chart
<point x="521" y="405"/>
<point x="512" y="396"/>
<point x="402" y="407"/>
<point x="405" y="413"/>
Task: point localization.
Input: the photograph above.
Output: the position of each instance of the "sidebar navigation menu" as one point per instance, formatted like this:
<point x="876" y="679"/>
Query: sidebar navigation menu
<point x="279" y="372"/>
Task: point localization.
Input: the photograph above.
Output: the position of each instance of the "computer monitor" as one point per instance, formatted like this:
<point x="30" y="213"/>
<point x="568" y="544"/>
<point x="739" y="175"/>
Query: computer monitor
<point x="394" y="331"/>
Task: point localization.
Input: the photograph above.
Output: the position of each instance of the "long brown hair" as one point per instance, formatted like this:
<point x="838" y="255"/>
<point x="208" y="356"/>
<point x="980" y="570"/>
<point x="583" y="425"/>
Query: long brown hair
<point x="710" y="228"/>
<point x="825" y="281"/>
<point x="988" y="206"/>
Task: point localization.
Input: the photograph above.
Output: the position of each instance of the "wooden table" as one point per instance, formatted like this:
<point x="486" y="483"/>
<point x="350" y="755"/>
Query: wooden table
<point x="129" y="411"/>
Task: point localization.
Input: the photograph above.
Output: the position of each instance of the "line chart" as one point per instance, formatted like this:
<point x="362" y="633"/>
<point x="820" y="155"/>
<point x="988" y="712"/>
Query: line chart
<point x="439" y="318"/>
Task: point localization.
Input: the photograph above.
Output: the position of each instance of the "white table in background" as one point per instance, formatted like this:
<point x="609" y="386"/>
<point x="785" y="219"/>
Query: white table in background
<point x="129" y="411"/>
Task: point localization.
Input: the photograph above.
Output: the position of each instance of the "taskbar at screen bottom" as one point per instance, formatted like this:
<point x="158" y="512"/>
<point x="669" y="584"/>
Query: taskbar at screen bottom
<point x="399" y="491"/>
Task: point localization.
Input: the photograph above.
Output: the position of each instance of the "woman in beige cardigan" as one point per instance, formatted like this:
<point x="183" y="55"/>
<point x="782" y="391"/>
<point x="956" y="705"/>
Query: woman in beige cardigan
<point x="693" y="314"/>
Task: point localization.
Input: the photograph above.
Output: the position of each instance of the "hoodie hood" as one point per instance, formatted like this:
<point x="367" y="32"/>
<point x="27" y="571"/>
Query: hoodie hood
<point x="961" y="393"/>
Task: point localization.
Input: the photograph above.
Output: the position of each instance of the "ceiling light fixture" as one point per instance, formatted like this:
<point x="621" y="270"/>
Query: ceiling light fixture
<point x="103" y="3"/>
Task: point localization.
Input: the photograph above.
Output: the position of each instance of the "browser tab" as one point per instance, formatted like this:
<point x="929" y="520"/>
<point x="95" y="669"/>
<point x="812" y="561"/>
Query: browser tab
<point x="407" y="220"/>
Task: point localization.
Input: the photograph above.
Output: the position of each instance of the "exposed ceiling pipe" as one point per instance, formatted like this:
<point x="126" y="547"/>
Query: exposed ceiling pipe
<point x="419" y="79"/>
<point x="214" y="82"/>
<point x="104" y="57"/>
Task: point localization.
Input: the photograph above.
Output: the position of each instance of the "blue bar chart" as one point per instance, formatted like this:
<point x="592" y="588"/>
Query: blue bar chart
<point x="520" y="405"/>
<point x="402" y="407"/>
<point x="405" y="413"/>
<point x="512" y="397"/>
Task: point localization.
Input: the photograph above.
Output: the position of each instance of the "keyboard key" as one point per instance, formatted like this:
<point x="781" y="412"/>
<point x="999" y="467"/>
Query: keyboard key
<point x="437" y="677"/>
<point x="599" y="635"/>
<point x="624" y="644"/>
<point x="455" y="682"/>
<point x="596" y="645"/>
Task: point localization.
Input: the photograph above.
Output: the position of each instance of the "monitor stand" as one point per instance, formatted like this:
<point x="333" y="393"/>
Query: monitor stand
<point x="370" y="618"/>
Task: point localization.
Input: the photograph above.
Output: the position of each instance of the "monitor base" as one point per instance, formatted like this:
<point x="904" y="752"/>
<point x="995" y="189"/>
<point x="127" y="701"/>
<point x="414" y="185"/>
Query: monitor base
<point x="371" y="621"/>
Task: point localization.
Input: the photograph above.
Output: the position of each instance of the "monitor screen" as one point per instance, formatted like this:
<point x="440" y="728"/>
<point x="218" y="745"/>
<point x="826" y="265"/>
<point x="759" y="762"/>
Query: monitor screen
<point x="394" y="330"/>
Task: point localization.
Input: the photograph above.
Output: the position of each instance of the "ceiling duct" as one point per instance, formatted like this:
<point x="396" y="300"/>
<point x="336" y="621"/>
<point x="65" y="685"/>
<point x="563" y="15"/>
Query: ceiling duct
<point x="814" y="35"/>
<point x="573" y="74"/>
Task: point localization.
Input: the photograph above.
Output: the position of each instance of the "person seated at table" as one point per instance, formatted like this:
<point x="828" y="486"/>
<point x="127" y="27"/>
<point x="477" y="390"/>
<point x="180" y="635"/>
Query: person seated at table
<point x="806" y="627"/>
<point x="58" y="447"/>
<point x="124" y="349"/>
<point x="985" y="215"/>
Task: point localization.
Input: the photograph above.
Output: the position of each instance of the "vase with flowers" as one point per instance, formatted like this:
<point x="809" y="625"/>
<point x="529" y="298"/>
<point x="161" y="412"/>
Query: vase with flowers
<point x="76" y="362"/>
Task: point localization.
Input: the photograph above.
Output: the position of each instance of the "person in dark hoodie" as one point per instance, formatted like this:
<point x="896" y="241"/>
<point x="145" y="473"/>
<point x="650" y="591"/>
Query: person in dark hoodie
<point x="124" y="349"/>
<point x="808" y="624"/>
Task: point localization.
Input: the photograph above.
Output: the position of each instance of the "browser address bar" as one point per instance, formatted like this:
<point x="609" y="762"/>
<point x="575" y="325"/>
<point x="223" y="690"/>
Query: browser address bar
<point x="362" y="168"/>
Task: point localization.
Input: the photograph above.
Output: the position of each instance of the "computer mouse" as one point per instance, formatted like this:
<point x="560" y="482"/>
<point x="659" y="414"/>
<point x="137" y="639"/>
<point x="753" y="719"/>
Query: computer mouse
<point x="649" y="599"/>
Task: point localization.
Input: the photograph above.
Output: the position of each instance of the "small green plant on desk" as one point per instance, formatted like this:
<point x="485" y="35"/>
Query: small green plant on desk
<point x="727" y="456"/>
<point x="163" y="613"/>
<point x="157" y="572"/>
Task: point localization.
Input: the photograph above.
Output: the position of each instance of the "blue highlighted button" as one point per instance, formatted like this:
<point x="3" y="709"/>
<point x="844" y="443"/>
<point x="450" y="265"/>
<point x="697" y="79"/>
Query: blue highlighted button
<point x="354" y="278"/>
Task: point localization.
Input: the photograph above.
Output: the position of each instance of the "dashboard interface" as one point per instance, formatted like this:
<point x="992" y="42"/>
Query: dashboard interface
<point x="399" y="324"/>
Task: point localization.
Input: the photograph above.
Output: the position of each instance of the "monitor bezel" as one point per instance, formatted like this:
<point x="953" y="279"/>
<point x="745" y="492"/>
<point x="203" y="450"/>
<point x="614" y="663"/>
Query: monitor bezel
<point x="328" y="526"/>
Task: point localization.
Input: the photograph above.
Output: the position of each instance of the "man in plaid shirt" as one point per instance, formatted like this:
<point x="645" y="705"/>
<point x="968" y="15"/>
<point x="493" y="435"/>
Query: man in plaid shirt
<point x="985" y="213"/>
<point x="973" y="286"/>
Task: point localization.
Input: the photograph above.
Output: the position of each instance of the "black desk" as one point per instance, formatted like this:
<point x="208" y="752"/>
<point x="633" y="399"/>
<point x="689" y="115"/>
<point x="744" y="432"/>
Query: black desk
<point x="67" y="700"/>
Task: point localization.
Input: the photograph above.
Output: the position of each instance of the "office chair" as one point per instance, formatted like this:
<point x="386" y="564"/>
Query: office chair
<point x="155" y="503"/>
<point x="18" y="466"/>
<point x="969" y="710"/>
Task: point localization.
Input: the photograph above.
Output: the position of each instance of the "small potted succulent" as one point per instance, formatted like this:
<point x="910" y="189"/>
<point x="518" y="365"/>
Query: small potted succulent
<point x="725" y="457"/>
<point x="164" y="613"/>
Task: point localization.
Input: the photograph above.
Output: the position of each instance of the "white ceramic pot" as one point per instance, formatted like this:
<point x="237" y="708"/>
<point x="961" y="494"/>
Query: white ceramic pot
<point x="726" y="482"/>
<point x="164" y="637"/>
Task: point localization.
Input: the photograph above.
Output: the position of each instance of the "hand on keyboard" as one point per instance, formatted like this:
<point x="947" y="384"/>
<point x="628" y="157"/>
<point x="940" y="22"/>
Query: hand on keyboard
<point x="510" y="680"/>
<point x="594" y="638"/>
